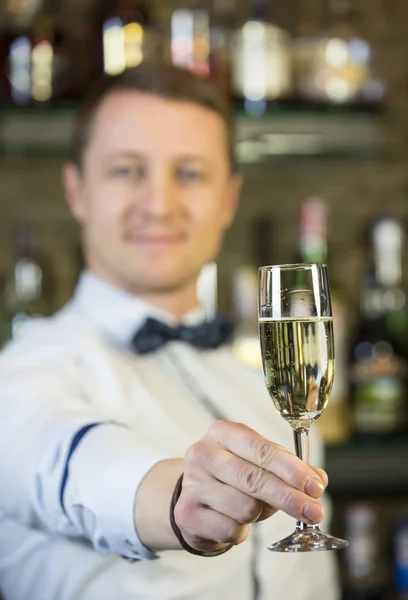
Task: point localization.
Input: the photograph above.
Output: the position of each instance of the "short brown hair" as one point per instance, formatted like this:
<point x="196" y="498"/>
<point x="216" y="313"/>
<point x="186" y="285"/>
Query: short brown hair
<point x="158" y="78"/>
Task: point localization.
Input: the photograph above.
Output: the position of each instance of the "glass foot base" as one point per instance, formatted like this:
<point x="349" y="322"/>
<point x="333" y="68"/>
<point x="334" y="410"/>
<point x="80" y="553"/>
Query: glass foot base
<point x="308" y="538"/>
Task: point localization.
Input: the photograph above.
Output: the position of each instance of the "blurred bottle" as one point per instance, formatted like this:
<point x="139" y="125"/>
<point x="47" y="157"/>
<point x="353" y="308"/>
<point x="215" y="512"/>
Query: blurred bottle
<point x="18" y="69"/>
<point x="77" y="64"/>
<point x="335" y="65"/>
<point x="379" y="367"/>
<point x="221" y="32"/>
<point x="128" y="36"/>
<point x="401" y="560"/>
<point x="207" y="289"/>
<point x="190" y="39"/>
<point x="246" y="345"/>
<point x="245" y="306"/>
<point x="20" y="13"/>
<point x="16" y="23"/>
<point x="365" y="567"/>
<point x="43" y="60"/>
<point x="28" y="289"/>
<point x="313" y="248"/>
<point x="5" y="40"/>
<point x="261" y="53"/>
<point x="39" y="64"/>
<point x="71" y="70"/>
<point x="4" y="325"/>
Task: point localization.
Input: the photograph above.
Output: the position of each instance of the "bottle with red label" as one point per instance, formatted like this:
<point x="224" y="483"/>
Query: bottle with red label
<point x="379" y="366"/>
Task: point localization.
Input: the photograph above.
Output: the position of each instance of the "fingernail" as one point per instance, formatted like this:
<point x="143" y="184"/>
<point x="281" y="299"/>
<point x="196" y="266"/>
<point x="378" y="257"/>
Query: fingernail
<point x="325" y="478"/>
<point x="313" y="512"/>
<point x="314" y="487"/>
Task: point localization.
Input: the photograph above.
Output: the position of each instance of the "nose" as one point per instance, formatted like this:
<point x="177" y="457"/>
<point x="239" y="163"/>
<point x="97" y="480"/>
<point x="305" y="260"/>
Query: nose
<point x="162" y="199"/>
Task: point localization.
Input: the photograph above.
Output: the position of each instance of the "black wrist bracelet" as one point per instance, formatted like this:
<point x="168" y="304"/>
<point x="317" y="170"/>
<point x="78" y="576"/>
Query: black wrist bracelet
<point x="177" y="532"/>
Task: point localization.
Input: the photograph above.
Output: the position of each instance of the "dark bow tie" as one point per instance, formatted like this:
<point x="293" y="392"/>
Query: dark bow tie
<point x="208" y="335"/>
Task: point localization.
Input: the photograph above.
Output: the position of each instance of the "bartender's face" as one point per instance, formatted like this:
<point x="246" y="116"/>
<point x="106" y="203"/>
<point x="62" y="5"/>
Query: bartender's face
<point x="155" y="193"/>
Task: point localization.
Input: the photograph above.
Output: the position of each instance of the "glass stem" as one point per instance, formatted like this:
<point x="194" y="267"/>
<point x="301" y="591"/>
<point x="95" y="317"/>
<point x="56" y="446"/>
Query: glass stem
<point x="301" y="439"/>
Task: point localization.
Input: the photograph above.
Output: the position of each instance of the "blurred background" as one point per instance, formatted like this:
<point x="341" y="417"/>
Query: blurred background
<point x="319" y="90"/>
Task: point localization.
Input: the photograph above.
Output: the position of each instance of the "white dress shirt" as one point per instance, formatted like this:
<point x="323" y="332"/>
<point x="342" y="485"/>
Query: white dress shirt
<point x="83" y="419"/>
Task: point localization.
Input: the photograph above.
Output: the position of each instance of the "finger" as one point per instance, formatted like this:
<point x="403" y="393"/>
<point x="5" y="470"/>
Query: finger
<point x="203" y="527"/>
<point x="322" y="474"/>
<point x="232" y="503"/>
<point x="267" y="512"/>
<point x="266" y="487"/>
<point x="257" y="450"/>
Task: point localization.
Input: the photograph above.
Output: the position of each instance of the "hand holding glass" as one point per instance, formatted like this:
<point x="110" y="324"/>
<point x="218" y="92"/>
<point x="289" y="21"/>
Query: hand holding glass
<point x="296" y="329"/>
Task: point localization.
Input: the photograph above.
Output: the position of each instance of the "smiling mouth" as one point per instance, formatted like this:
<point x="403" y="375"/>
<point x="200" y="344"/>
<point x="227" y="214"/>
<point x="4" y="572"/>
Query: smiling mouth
<point x="162" y="239"/>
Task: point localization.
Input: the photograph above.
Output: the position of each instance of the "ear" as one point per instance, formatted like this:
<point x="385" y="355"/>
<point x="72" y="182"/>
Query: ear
<point x="232" y="199"/>
<point x="73" y="187"/>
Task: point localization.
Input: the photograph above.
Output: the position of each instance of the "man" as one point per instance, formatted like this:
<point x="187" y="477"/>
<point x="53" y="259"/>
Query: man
<point x="99" y="419"/>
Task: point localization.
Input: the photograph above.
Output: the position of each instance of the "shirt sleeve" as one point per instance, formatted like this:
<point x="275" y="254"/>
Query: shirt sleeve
<point x="65" y="467"/>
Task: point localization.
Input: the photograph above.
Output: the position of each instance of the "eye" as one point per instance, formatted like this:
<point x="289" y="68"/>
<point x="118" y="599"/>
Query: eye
<point x="128" y="171"/>
<point x="188" y="175"/>
<point x="122" y="171"/>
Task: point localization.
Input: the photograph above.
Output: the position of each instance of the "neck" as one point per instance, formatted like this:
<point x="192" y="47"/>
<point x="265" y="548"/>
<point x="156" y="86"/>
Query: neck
<point x="176" y="302"/>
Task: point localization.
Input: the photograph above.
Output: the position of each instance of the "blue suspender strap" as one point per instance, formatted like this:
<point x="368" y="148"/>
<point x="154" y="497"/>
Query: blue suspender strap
<point x="75" y="441"/>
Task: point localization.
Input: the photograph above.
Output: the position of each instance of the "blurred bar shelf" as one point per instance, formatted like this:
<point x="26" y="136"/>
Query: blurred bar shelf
<point x="36" y="131"/>
<point x="375" y="468"/>
<point x="279" y="133"/>
<point x="313" y="133"/>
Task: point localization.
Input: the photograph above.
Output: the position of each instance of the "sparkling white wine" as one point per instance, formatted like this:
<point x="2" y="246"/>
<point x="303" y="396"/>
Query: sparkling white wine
<point x="298" y="363"/>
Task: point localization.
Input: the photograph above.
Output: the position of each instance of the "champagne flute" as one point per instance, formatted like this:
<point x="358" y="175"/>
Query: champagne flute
<point x="297" y="345"/>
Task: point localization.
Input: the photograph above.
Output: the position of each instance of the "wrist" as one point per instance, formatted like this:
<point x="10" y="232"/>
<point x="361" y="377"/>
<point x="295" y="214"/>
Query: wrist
<point x="151" y="511"/>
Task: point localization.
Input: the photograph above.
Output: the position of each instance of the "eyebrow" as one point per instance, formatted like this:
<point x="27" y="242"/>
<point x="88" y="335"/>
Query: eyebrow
<point x="139" y="155"/>
<point x="123" y="154"/>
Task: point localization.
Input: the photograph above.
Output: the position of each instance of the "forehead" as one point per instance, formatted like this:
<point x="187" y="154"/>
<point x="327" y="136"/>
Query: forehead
<point x="141" y="122"/>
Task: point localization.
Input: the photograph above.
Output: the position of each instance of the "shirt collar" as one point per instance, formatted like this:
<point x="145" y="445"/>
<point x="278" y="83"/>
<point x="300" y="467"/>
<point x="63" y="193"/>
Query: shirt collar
<point x="119" y="314"/>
